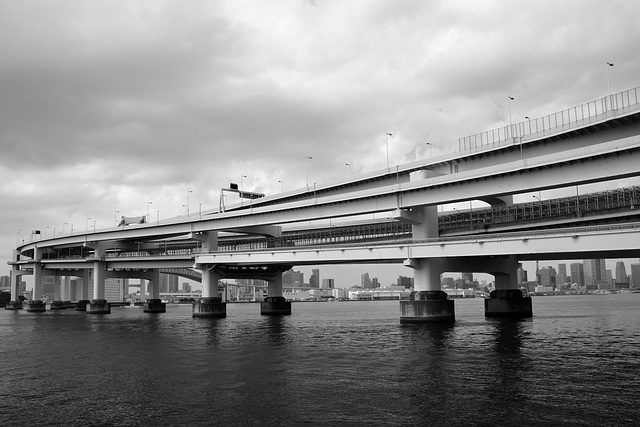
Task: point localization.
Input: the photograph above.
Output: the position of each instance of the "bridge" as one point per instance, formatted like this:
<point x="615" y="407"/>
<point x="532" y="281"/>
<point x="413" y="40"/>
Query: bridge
<point x="596" y="142"/>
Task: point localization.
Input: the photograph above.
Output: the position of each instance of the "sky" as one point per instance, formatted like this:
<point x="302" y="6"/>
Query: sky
<point x="112" y="108"/>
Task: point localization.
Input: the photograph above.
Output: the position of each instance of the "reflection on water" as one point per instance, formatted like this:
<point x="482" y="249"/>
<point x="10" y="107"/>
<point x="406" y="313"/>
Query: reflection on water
<point x="326" y="364"/>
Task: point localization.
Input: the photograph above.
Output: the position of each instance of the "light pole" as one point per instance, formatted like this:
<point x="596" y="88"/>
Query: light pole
<point x="115" y="215"/>
<point x="86" y="224"/>
<point x="242" y="177"/>
<point x="511" y="98"/>
<point x="281" y="185"/>
<point x="308" y="158"/>
<point x="529" y="121"/>
<point x="200" y="210"/>
<point x="386" y="138"/>
<point x="349" y="164"/>
<point x="148" y="203"/>
<point x="157" y="217"/>
<point x="431" y="147"/>
<point x="609" y="64"/>
<point x="188" y="191"/>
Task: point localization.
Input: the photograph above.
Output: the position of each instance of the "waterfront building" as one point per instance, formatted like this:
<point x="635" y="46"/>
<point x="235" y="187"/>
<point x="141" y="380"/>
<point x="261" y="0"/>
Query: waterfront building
<point x="561" y="275"/>
<point x="314" y="280"/>
<point x="577" y="274"/>
<point x="635" y="275"/>
<point x="365" y="281"/>
<point x="594" y="273"/>
<point x="405" y="281"/>
<point x="621" y="273"/>
<point x="375" y="283"/>
<point x="291" y="277"/>
<point x="546" y="278"/>
<point x="328" y="283"/>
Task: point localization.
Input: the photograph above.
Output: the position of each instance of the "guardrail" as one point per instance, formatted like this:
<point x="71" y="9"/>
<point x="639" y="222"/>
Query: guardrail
<point x="563" y="120"/>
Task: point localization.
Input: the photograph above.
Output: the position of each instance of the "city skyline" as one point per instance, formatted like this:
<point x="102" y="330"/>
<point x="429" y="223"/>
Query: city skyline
<point x="154" y="118"/>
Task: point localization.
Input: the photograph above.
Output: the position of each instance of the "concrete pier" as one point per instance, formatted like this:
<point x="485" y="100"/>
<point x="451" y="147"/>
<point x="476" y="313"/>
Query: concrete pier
<point x="427" y="307"/>
<point x="210" y="307"/>
<point x="508" y="303"/>
<point x="275" y="306"/>
<point x="57" y="305"/>
<point x="36" y="306"/>
<point x="14" y="305"/>
<point x="82" y="305"/>
<point x="98" y="306"/>
<point x="155" y="306"/>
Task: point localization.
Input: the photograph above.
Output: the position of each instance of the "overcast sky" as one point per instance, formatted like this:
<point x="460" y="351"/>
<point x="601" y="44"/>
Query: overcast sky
<point x="108" y="105"/>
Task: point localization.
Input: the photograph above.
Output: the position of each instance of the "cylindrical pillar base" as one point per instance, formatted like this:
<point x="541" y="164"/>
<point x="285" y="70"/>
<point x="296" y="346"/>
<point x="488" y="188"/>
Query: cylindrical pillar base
<point x="98" y="306"/>
<point x="36" y="306"/>
<point x="155" y="306"/>
<point x="82" y="305"/>
<point x="13" y="305"/>
<point x="275" y="306"/>
<point x="508" y="303"/>
<point x="210" y="307"/>
<point x="427" y="307"/>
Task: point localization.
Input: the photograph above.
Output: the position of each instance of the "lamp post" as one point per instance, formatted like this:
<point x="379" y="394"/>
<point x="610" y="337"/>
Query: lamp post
<point x="242" y="177"/>
<point x="200" y="210"/>
<point x="148" y="203"/>
<point x="308" y="158"/>
<point x="188" y="191"/>
<point x="511" y="98"/>
<point x="431" y="147"/>
<point x="86" y="224"/>
<point x="157" y="217"/>
<point x="349" y="164"/>
<point x="609" y="64"/>
<point x="281" y="185"/>
<point x="115" y="215"/>
<point x="386" y="138"/>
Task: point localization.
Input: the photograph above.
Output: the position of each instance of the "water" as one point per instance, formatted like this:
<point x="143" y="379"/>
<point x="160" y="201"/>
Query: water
<point x="575" y="363"/>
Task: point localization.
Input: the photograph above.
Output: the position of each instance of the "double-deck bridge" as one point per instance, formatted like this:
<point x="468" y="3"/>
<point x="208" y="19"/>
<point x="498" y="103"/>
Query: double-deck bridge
<point x="331" y="224"/>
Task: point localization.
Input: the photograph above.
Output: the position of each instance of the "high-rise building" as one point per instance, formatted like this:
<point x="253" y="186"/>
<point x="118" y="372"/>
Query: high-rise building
<point x="328" y="283"/>
<point x="291" y="277"/>
<point x="546" y="277"/>
<point x="314" y="280"/>
<point x="522" y="275"/>
<point x="365" y="282"/>
<point x="594" y="273"/>
<point x="405" y="281"/>
<point x="577" y="273"/>
<point x="621" y="273"/>
<point x="635" y="275"/>
<point x="467" y="278"/>
<point x="561" y="274"/>
<point x="375" y="283"/>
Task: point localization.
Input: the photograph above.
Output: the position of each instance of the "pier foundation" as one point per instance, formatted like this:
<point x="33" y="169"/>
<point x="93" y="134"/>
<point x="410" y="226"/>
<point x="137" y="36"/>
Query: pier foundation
<point x="14" y="305"/>
<point x="58" y="305"/>
<point x="508" y="303"/>
<point x="210" y="307"/>
<point x="275" y="306"/>
<point x="155" y="306"/>
<point x="36" y="306"/>
<point x="82" y="305"/>
<point x="98" y="306"/>
<point x="427" y="307"/>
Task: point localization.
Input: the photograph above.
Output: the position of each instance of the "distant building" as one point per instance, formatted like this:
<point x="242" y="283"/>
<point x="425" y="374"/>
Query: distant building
<point x="314" y="280"/>
<point x="291" y="277"/>
<point x="635" y="275"/>
<point x="405" y="281"/>
<point x="375" y="283"/>
<point x="522" y="275"/>
<point x="328" y="284"/>
<point x="577" y="273"/>
<point x="621" y="273"/>
<point x="594" y="273"/>
<point x="365" y="281"/>
<point x="546" y="277"/>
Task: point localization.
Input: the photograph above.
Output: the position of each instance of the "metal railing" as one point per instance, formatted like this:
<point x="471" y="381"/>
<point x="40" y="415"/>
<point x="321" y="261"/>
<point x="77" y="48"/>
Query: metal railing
<point x="590" y="112"/>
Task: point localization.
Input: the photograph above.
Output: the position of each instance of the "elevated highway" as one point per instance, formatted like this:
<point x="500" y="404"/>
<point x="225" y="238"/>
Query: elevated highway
<point x="596" y="142"/>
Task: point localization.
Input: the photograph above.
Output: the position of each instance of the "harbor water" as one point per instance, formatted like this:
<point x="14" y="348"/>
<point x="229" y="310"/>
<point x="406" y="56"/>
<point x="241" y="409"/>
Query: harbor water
<point x="575" y="363"/>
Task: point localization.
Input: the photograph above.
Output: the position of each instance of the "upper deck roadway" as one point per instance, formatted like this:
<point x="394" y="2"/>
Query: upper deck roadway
<point x="595" y="142"/>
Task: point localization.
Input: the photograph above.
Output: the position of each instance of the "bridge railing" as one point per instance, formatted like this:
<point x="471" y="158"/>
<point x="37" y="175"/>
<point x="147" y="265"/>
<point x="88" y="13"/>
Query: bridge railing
<point x="589" y="112"/>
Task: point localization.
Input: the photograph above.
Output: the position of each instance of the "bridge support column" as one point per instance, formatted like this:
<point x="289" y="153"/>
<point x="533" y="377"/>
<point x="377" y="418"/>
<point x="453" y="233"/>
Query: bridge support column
<point x="154" y="304"/>
<point x="15" y="303"/>
<point x="36" y="305"/>
<point x="507" y="300"/>
<point x="428" y="303"/>
<point x="98" y="305"/>
<point x="210" y="305"/>
<point x="57" y="303"/>
<point x="83" y="292"/>
<point x="275" y="303"/>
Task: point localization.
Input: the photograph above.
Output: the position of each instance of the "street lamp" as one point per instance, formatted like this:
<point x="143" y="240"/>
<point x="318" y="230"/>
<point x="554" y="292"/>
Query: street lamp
<point x="308" y="158"/>
<point x="349" y="164"/>
<point x="115" y="215"/>
<point x="282" y="185"/>
<point x="200" y="210"/>
<point x="511" y="98"/>
<point x="86" y="224"/>
<point x="148" y="203"/>
<point x="386" y="138"/>
<point x="242" y="177"/>
<point x="609" y="64"/>
<point x="431" y="147"/>
<point x="188" y="191"/>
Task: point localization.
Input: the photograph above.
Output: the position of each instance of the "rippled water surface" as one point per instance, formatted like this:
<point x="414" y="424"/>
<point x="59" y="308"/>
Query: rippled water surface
<point x="576" y="362"/>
